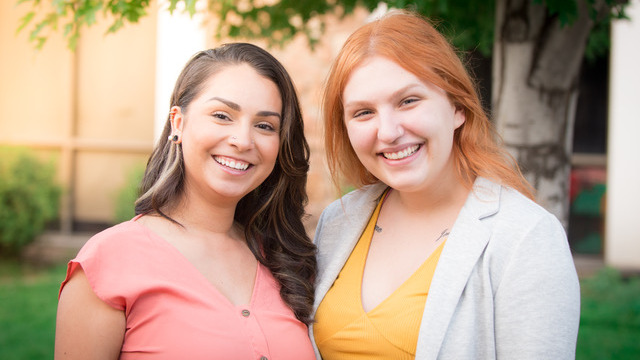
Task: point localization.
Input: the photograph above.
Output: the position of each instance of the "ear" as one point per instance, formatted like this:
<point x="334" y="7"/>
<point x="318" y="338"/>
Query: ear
<point x="459" y="117"/>
<point x="176" y="119"/>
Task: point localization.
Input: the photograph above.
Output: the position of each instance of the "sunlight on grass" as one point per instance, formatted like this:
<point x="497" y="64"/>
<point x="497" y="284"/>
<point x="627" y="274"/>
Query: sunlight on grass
<point x="27" y="315"/>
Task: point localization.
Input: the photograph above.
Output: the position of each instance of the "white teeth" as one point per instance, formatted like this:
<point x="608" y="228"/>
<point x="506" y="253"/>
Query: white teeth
<point x="238" y="165"/>
<point x="402" y="154"/>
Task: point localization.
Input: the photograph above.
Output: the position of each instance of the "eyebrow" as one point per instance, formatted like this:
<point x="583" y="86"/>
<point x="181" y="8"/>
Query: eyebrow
<point x="393" y="95"/>
<point x="237" y="107"/>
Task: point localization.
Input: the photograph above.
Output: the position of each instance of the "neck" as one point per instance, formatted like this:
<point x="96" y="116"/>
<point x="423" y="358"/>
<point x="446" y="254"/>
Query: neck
<point x="198" y="215"/>
<point x="444" y="194"/>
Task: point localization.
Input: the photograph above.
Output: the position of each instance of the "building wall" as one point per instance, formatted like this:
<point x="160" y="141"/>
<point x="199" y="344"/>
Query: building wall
<point x="35" y="92"/>
<point x="622" y="245"/>
<point x="91" y="109"/>
<point x="115" y="107"/>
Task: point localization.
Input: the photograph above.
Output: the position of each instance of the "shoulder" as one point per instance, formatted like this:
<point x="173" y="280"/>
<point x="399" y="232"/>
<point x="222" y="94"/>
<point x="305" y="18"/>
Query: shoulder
<point x="526" y="244"/>
<point x="354" y="201"/>
<point x="349" y="211"/>
<point x="525" y="215"/>
<point x="114" y="249"/>
<point x="497" y="206"/>
<point x="108" y="259"/>
<point x="115" y="239"/>
<point x="513" y="223"/>
<point x="343" y="220"/>
<point x="523" y="232"/>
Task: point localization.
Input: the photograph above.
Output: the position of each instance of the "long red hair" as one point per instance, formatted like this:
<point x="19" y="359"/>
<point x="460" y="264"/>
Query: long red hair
<point x="413" y="43"/>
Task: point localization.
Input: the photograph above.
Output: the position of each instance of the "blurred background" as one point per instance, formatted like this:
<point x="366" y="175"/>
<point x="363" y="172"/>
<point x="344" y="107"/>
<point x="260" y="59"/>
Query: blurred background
<point x="83" y="104"/>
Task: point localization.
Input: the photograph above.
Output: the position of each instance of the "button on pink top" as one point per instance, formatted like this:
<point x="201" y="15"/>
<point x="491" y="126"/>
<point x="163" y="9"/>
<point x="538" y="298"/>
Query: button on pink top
<point x="174" y="312"/>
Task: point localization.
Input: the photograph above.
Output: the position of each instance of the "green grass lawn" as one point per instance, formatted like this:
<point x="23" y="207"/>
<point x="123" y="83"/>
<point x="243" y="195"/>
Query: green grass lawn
<point x="610" y="317"/>
<point x="28" y="301"/>
<point x="609" y="322"/>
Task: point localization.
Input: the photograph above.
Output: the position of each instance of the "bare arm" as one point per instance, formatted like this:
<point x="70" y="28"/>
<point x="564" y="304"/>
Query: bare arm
<point x="86" y="326"/>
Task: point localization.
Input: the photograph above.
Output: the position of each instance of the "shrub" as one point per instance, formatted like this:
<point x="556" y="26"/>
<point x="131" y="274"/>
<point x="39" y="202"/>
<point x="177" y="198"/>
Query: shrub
<point x="29" y="198"/>
<point x="126" y="197"/>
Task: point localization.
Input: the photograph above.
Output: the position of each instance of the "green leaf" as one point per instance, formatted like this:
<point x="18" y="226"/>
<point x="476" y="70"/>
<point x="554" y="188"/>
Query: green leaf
<point x="566" y="10"/>
<point x="67" y="29"/>
<point x="36" y="30"/>
<point x="190" y="6"/>
<point x="172" y="5"/>
<point x="52" y="21"/>
<point x="468" y="24"/>
<point x="25" y="20"/>
<point x="117" y="24"/>
<point x="61" y="6"/>
<point x="72" y="43"/>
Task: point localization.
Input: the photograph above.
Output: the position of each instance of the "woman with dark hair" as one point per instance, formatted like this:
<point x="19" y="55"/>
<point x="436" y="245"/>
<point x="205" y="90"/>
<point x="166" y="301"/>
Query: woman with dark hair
<point x="216" y="264"/>
<point x="440" y="253"/>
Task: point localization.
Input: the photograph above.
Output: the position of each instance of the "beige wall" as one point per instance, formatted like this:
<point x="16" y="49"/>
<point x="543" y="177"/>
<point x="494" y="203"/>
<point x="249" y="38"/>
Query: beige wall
<point x="115" y="106"/>
<point x="116" y="82"/>
<point x="92" y="109"/>
<point x="35" y="88"/>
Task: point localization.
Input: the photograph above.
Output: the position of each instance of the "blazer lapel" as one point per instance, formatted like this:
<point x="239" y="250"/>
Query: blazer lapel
<point x="463" y="248"/>
<point x="348" y="233"/>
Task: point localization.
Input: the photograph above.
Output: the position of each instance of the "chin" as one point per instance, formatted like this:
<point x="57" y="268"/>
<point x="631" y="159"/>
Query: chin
<point x="407" y="185"/>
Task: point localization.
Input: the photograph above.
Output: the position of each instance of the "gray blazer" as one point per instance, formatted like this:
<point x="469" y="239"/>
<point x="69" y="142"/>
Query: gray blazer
<point x="505" y="286"/>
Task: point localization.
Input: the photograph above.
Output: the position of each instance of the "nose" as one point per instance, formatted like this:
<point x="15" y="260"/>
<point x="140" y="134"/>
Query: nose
<point x="241" y="138"/>
<point x="390" y="126"/>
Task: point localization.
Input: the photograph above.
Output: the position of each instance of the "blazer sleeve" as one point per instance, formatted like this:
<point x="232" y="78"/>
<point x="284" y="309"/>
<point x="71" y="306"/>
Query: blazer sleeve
<point x="537" y="302"/>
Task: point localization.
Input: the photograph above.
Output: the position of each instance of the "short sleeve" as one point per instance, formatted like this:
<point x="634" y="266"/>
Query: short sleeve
<point x="105" y="259"/>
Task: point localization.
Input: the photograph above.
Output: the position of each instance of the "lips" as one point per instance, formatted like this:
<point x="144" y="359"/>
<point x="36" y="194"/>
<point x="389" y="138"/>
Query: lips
<point x="232" y="163"/>
<point x="399" y="155"/>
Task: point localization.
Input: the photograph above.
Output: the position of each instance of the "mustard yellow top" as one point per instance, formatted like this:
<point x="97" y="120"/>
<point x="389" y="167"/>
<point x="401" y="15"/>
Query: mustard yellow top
<point x="343" y="330"/>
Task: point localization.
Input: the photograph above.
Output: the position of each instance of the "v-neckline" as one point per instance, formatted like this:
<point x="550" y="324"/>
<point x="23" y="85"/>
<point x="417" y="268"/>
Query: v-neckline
<point x="370" y="231"/>
<point x="394" y="293"/>
<point x="192" y="268"/>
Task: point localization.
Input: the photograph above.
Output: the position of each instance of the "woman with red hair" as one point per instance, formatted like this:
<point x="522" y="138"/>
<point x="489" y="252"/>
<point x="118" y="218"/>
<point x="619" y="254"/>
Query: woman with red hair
<point x="441" y="251"/>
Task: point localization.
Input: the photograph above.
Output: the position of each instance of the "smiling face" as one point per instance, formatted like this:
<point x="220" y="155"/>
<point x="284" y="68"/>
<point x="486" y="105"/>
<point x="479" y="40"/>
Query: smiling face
<point x="401" y="128"/>
<point x="229" y="134"/>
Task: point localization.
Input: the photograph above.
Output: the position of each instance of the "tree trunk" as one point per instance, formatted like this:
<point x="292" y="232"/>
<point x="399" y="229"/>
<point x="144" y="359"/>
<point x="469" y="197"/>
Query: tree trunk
<point x="536" y="66"/>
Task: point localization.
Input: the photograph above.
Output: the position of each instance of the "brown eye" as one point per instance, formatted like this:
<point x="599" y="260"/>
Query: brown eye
<point x="221" y="116"/>
<point x="266" y="126"/>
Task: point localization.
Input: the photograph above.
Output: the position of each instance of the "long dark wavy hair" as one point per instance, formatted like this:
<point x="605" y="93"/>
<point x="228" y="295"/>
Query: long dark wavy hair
<point x="271" y="215"/>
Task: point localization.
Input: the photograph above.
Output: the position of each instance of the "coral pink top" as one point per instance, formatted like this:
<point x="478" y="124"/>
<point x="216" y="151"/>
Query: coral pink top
<point x="174" y="312"/>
